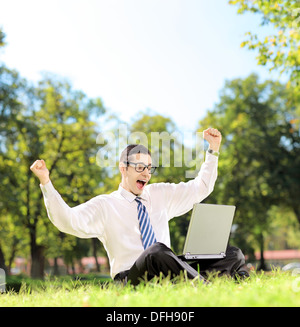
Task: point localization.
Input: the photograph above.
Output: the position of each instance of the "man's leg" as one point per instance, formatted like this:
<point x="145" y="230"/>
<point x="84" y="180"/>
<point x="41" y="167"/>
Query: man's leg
<point x="233" y="264"/>
<point x="157" y="259"/>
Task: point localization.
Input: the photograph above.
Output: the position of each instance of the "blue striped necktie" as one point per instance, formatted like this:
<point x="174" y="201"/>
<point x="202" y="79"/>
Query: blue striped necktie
<point x="147" y="232"/>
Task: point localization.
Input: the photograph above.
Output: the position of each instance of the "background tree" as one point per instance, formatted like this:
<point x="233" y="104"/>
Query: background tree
<point x="259" y="163"/>
<point x="52" y="122"/>
<point x="281" y="50"/>
<point x="12" y="111"/>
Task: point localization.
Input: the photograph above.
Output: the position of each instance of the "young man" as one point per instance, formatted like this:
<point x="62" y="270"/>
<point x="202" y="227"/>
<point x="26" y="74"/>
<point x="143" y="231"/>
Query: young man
<point x="132" y="222"/>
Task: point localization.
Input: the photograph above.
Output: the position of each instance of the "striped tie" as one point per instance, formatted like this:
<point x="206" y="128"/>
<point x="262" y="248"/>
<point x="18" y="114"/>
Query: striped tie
<point x="148" y="237"/>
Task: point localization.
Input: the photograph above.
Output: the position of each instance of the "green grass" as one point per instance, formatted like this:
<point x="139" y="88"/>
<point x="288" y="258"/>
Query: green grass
<point x="272" y="289"/>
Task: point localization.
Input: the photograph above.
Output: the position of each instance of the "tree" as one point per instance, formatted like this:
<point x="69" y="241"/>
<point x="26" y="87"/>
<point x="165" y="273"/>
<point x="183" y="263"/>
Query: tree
<point x="2" y="38"/>
<point x="11" y="121"/>
<point x="260" y="154"/>
<point x="69" y="135"/>
<point x="52" y="122"/>
<point x="281" y="50"/>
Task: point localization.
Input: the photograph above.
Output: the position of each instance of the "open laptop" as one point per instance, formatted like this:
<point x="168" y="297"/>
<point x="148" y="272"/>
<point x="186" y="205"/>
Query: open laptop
<point x="208" y="232"/>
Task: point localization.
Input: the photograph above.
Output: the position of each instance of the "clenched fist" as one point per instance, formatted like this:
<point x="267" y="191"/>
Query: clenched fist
<point x="213" y="137"/>
<point x="41" y="171"/>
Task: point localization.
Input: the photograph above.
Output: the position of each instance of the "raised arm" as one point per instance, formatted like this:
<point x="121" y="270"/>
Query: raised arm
<point x="84" y="220"/>
<point x="180" y="198"/>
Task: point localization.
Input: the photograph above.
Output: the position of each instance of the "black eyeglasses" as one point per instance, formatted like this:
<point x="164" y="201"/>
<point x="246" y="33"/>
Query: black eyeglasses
<point x="140" y="167"/>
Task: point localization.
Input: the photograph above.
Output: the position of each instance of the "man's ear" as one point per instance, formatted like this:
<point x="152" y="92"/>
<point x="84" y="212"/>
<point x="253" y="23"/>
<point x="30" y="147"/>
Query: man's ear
<point x="122" y="167"/>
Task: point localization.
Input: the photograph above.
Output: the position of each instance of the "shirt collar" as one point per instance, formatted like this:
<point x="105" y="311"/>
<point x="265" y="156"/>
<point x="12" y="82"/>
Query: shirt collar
<point x="128" y="195"/>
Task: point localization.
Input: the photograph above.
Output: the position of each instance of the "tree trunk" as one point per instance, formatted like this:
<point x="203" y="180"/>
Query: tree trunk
<point x="55" y="267"/>
<point x="37" y="256"/>
<point x="94" y="244"/>
<point x="73" y="267"/>
<point x="2" y="261"/>
<point x="12" y="254"/>
<point x="262" y="265"/>
<point x="37" y="262"/>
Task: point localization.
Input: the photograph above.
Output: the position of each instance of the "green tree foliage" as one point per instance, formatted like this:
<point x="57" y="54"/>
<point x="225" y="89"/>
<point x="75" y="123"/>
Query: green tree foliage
<point x="2" y="38"/>
<point x="281" y="50"/>
<point x="260" y="154"/>
<point x="11" y="121"/>
<point x="52" y="122"/>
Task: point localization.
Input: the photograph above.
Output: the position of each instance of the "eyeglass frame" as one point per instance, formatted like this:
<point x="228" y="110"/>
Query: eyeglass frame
<point x="151" y="169"/>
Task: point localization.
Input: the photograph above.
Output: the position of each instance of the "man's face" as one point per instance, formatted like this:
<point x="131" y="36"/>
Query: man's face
<point x="132" y="180"/>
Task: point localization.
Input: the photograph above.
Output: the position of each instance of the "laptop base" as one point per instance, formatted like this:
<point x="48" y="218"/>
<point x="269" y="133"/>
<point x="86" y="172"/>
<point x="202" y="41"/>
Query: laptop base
<point x="189" y="256"/>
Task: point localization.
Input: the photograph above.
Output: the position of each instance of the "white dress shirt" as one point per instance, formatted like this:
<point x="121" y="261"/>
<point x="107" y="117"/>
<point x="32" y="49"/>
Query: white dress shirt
<point x="112" y="218"/>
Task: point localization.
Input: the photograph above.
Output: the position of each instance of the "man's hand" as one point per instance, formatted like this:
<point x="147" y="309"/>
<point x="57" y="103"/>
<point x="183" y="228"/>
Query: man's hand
<point x="40" y="170"/>
<point x="213" y="137"/>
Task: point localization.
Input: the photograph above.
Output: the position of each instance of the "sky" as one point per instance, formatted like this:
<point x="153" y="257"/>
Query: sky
<point x="170" y="56"/>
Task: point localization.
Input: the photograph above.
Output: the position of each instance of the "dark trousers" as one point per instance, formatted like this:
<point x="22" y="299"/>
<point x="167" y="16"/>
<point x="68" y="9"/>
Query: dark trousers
<point x="158" y="259"/>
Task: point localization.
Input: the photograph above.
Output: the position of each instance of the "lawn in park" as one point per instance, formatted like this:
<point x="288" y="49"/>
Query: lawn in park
<point x="261" y="289"/>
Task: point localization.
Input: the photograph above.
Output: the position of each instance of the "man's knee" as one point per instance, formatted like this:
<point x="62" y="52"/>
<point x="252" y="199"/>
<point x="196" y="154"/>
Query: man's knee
<point x="240" y="256"/>
<point x="157" y="251"/>
<point x="237" y="256"/>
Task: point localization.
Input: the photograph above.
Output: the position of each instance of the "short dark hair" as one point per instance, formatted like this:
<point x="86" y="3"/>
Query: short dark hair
<point x="133" y="149"/>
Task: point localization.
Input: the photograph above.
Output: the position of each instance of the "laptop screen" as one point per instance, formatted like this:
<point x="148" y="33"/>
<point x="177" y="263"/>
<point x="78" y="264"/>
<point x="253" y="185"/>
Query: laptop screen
<point x="209" y="229"/>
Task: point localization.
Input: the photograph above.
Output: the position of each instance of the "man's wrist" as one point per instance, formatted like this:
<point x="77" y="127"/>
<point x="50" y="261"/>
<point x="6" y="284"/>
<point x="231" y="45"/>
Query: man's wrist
<point x="44" y="181"/>
<point x="213" y="152"/>
<point x="214" y="148"/>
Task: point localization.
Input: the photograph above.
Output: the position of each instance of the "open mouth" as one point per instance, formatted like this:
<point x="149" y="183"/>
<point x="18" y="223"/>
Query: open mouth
<point x="140" y="184"/>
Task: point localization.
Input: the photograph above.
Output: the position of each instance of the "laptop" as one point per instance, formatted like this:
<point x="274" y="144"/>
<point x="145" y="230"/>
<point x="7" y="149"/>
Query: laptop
<point x="208" y="231"/>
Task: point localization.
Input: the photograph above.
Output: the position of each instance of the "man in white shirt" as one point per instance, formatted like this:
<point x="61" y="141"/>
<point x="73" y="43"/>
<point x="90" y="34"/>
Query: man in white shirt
<point x="132" y="222"/>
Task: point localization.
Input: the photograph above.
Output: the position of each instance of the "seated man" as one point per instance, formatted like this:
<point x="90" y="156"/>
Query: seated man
<point x="132" y="222"/>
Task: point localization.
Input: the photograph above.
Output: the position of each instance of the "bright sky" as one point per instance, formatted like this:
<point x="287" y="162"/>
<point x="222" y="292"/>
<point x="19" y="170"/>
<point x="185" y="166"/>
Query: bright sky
<point x="170" y="56"/>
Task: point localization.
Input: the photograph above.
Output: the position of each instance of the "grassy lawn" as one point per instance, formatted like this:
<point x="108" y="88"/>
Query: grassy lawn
<point x="271" y="289"/>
